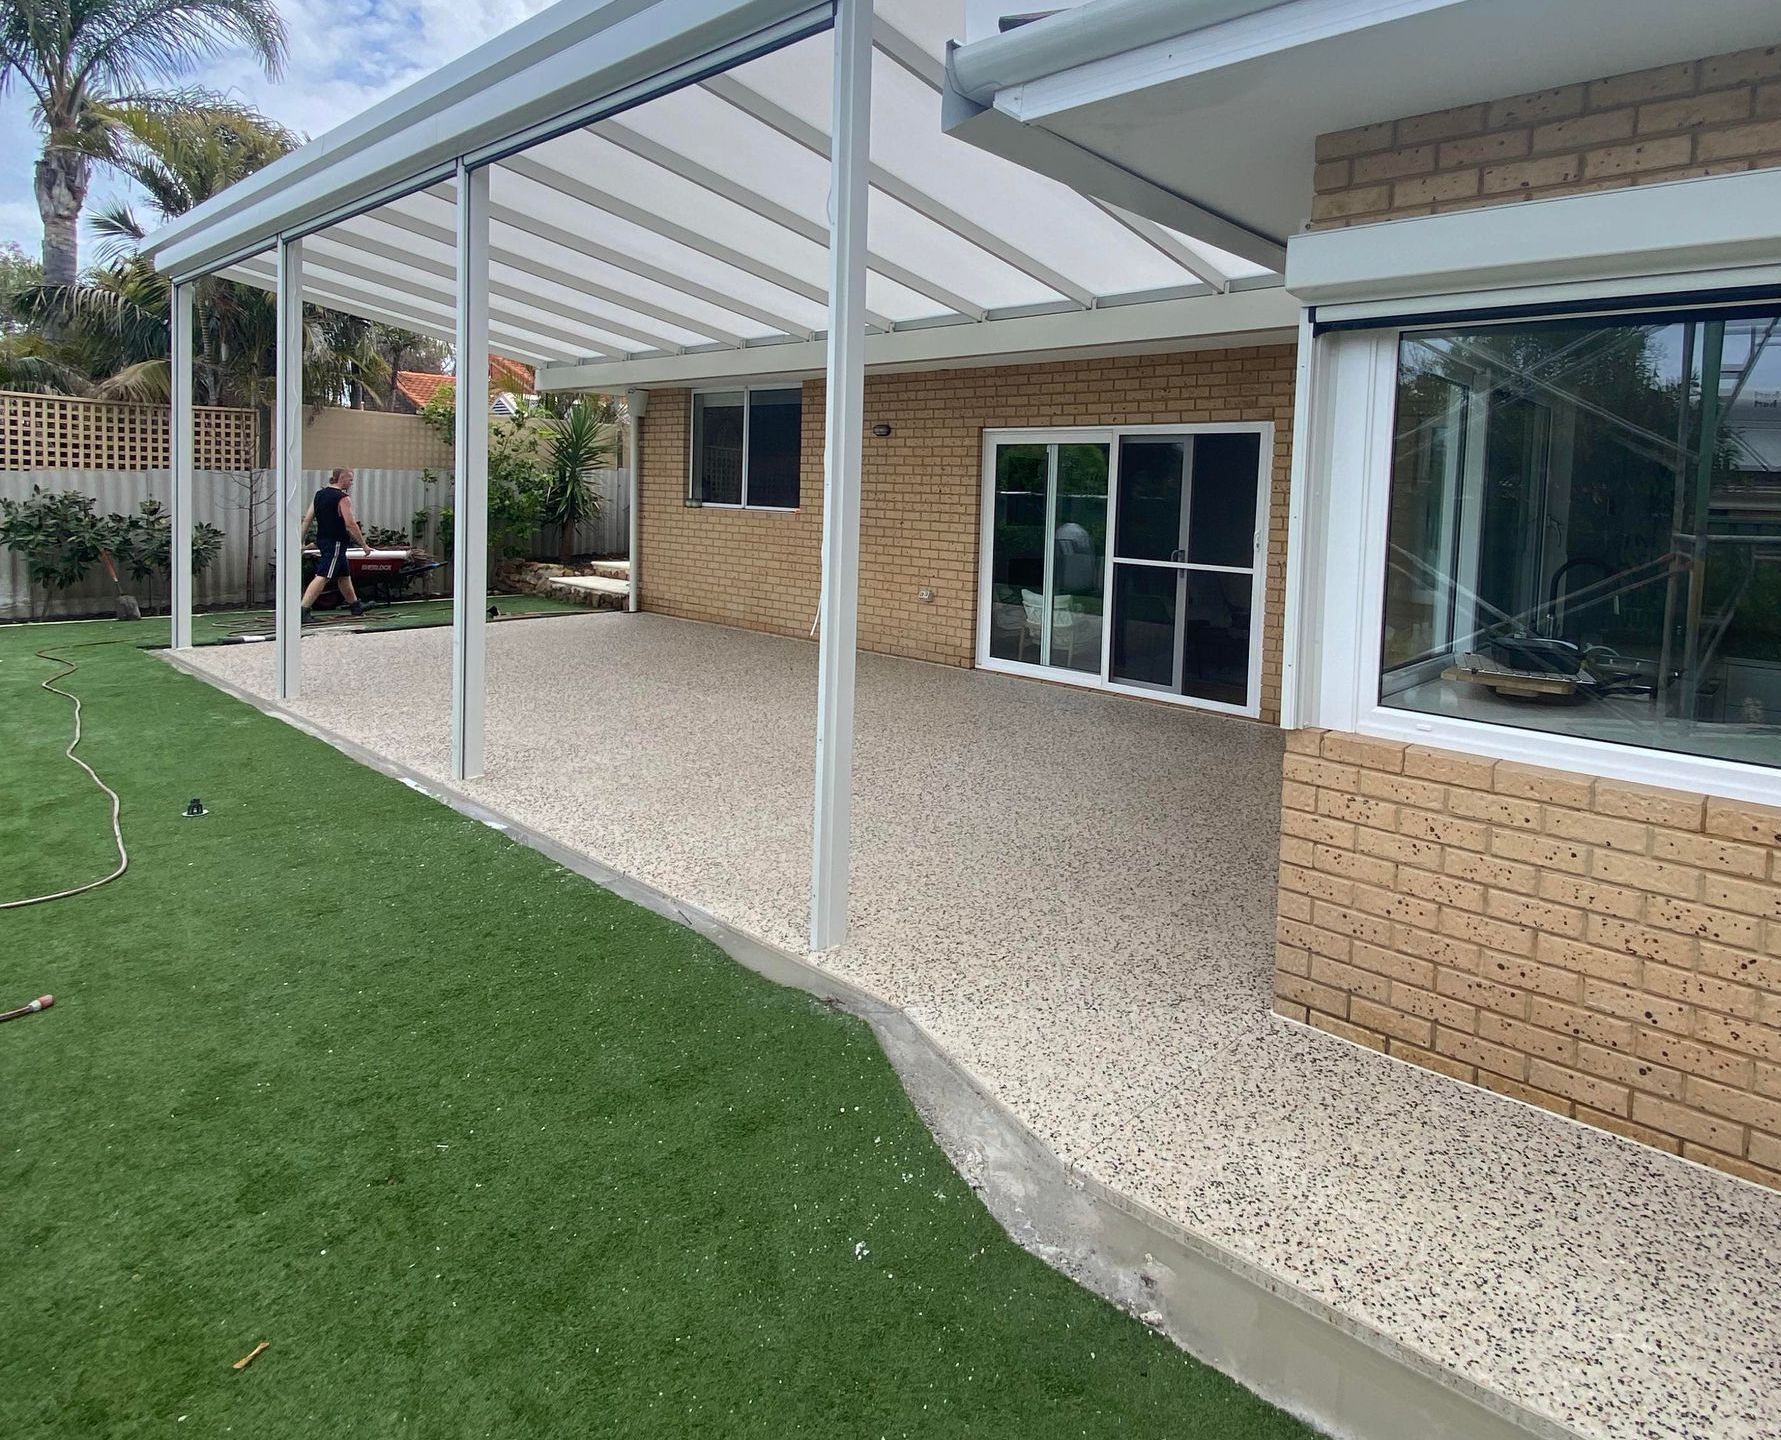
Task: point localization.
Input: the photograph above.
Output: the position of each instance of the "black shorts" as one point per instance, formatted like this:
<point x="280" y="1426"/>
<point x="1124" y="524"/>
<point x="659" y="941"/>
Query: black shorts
<point x="330" y="564"/>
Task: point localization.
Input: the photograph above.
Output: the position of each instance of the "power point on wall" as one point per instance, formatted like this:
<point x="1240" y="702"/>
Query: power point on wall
<point x="925" y="595"/>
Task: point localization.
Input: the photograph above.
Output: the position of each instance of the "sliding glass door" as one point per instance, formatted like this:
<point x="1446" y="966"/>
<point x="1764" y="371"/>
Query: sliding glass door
<point x="1127" y="559"/>
<point x="1184" y="564"/>
<point x="1047" y="552"/>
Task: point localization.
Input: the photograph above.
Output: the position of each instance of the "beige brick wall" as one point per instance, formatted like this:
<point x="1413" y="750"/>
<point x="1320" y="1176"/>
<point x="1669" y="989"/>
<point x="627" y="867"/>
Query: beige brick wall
<point x="1605" y="950"/>
<point x="1699" y="117"/>
<point x="921" y="494"/>
<point x="372" y="440"/>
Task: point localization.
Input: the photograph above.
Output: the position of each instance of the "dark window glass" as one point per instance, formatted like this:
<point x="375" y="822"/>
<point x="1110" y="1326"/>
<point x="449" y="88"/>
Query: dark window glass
<point x="1215" y="636"/>
<point x="1145" y="601"/>
<point x="775" y="428"/>
<point x="1150" y="484"/>
<point x="1221" y="518"/>
<point x="717" y="448"/>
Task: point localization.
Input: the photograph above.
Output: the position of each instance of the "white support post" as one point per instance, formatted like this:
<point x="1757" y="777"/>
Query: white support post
<point x="180" y="438"/>
<point x="287" y="544"/>
<point x="848" y="171"/>
<point x="1293" y="641"/>
<point x="636" y="402"/>
<point x="470" y="579"/>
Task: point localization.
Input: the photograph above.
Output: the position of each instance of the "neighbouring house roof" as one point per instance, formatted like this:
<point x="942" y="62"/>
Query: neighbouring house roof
<point x="671" y="200"/>
<point x="410" y="390"/>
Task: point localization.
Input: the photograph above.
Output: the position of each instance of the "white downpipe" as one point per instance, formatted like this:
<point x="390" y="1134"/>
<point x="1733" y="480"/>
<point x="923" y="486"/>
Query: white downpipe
<point x="180" y="438"/>
<point x="1292" y="624"/>
<point x="636" y="402"/>
<point x="287" y="544"/>
<point x="845" y="402"/>
<point x="470" y="562"/>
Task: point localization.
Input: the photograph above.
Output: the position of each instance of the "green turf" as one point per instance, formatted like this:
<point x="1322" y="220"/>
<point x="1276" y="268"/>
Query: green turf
<point x="479" y="1149"/>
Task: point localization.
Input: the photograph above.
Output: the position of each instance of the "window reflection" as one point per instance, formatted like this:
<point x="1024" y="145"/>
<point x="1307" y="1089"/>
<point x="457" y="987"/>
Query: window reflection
<point x="1585" y="530"/>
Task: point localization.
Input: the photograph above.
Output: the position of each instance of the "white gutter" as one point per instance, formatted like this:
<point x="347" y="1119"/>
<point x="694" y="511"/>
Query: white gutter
<point x="1255" y="316"/>
<point x="1080" y="36"/>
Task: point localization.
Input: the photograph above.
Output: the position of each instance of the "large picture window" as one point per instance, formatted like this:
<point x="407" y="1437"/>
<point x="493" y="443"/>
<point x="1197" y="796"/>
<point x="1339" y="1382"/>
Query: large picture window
<point x="747" y="447"/>
<point x="1584" y="530"/>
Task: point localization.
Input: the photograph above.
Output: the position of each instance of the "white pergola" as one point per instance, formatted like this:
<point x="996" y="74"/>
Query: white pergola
<point x="627" y="193"/>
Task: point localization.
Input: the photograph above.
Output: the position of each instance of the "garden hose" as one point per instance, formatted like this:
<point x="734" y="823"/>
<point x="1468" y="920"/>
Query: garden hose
<point x="117" y="833"/>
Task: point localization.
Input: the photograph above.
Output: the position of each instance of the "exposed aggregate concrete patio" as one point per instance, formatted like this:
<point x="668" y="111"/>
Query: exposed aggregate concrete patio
<point x="1073" y="894"/>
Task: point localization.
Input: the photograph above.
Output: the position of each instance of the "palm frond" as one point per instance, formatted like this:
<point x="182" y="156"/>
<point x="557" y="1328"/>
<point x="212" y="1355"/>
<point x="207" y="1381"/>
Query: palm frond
<point x="132" y="45"/>
<point x="150" y="380"/>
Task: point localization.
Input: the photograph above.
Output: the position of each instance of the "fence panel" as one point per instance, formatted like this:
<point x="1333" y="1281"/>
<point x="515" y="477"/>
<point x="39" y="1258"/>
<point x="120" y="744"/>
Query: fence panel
<point x="237" y="502"/>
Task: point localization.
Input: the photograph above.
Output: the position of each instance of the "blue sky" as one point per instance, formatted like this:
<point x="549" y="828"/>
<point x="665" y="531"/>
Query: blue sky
<point x="344" y="55"/>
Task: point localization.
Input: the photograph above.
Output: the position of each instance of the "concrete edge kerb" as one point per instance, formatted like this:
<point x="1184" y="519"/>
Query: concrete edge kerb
<point x="1337" y="1373"/>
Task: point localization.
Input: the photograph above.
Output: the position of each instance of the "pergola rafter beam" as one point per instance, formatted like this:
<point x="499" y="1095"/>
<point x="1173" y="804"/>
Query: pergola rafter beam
<point x="529" y="303"/>
<point x="606" y="255"/>
<point x="897" y="47"/>
<point x="776" y="117"/>
<point x="722" y="186"/>
<point x="1160" y="239"/>
<point x="390" y="309"/>
<point x="622" y="209"/>
<point x="580" y="284"/>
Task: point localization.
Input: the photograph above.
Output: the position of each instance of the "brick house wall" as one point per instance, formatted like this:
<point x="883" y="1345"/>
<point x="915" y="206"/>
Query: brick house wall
<point x="921" y="494"/>
<point x="1700" y="117"/>
<point x="1605" y="950"/>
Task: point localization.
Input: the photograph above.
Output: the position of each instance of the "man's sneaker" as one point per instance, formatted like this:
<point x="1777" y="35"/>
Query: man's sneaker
<point x="307" y="617"/>
<point x="359" y="607"/>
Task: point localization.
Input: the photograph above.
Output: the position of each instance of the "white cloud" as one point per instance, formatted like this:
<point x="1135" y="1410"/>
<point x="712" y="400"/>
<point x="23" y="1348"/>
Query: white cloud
<point x="344" y="56"/>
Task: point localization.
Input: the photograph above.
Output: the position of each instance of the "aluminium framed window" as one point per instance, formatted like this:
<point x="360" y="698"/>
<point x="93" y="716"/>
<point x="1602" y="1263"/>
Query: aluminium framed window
<point x="1600" y="520"/>
<point x="746" y="448"/>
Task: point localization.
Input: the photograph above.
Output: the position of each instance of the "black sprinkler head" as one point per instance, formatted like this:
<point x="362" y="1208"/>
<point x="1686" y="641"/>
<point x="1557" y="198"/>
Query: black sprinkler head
<point x="195" y="808"/>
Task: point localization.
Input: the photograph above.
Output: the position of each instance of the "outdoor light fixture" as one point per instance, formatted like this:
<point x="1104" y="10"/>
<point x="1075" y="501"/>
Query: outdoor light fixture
<point x="881" y="430"/>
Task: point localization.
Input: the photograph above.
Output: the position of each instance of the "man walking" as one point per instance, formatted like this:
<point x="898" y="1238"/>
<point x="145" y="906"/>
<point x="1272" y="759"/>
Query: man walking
<point x="334" y="526"/>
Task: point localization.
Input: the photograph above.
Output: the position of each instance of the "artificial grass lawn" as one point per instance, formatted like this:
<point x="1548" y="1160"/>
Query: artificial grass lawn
<point x="477" y="1147"/>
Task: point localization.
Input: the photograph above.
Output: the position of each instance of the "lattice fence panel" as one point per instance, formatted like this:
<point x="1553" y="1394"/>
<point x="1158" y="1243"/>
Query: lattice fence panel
<point x="66" y="432"/>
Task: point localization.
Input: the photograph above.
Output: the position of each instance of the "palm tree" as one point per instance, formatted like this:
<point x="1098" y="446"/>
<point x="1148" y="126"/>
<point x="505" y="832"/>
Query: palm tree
<point x="577" y="438"/>
<point x="113" y="326"/>
<point x="87" y="61"/>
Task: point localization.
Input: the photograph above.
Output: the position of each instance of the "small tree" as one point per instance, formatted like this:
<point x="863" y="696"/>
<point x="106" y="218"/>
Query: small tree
<point x="577" y="439"/>
<point x="517" y="483"/>
<point x="143" y="543"/>
<point x="61" y="537"/>
<point x="58" y="537"/>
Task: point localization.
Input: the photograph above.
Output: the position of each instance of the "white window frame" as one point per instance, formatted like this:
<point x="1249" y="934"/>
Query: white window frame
<point x="1341" y="640"/>
<point x="1111" y="436"/>
<point x="692" y="448"/>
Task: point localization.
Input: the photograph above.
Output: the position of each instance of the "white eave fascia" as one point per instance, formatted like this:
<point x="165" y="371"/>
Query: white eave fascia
<point x="1721" y="230"/>
<point x="1260" y="314"/>
<point x="563" y="66"/>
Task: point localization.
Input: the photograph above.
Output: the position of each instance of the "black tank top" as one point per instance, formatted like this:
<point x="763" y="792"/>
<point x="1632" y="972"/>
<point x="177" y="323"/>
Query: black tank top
<point x="328" y="524"/>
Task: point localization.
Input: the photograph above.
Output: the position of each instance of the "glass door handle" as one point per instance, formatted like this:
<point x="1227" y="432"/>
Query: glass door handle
<point x="1177" y="557"/>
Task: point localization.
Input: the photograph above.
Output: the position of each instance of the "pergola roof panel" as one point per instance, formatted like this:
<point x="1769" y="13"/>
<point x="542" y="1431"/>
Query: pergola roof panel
<point x="697" y="219"/>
